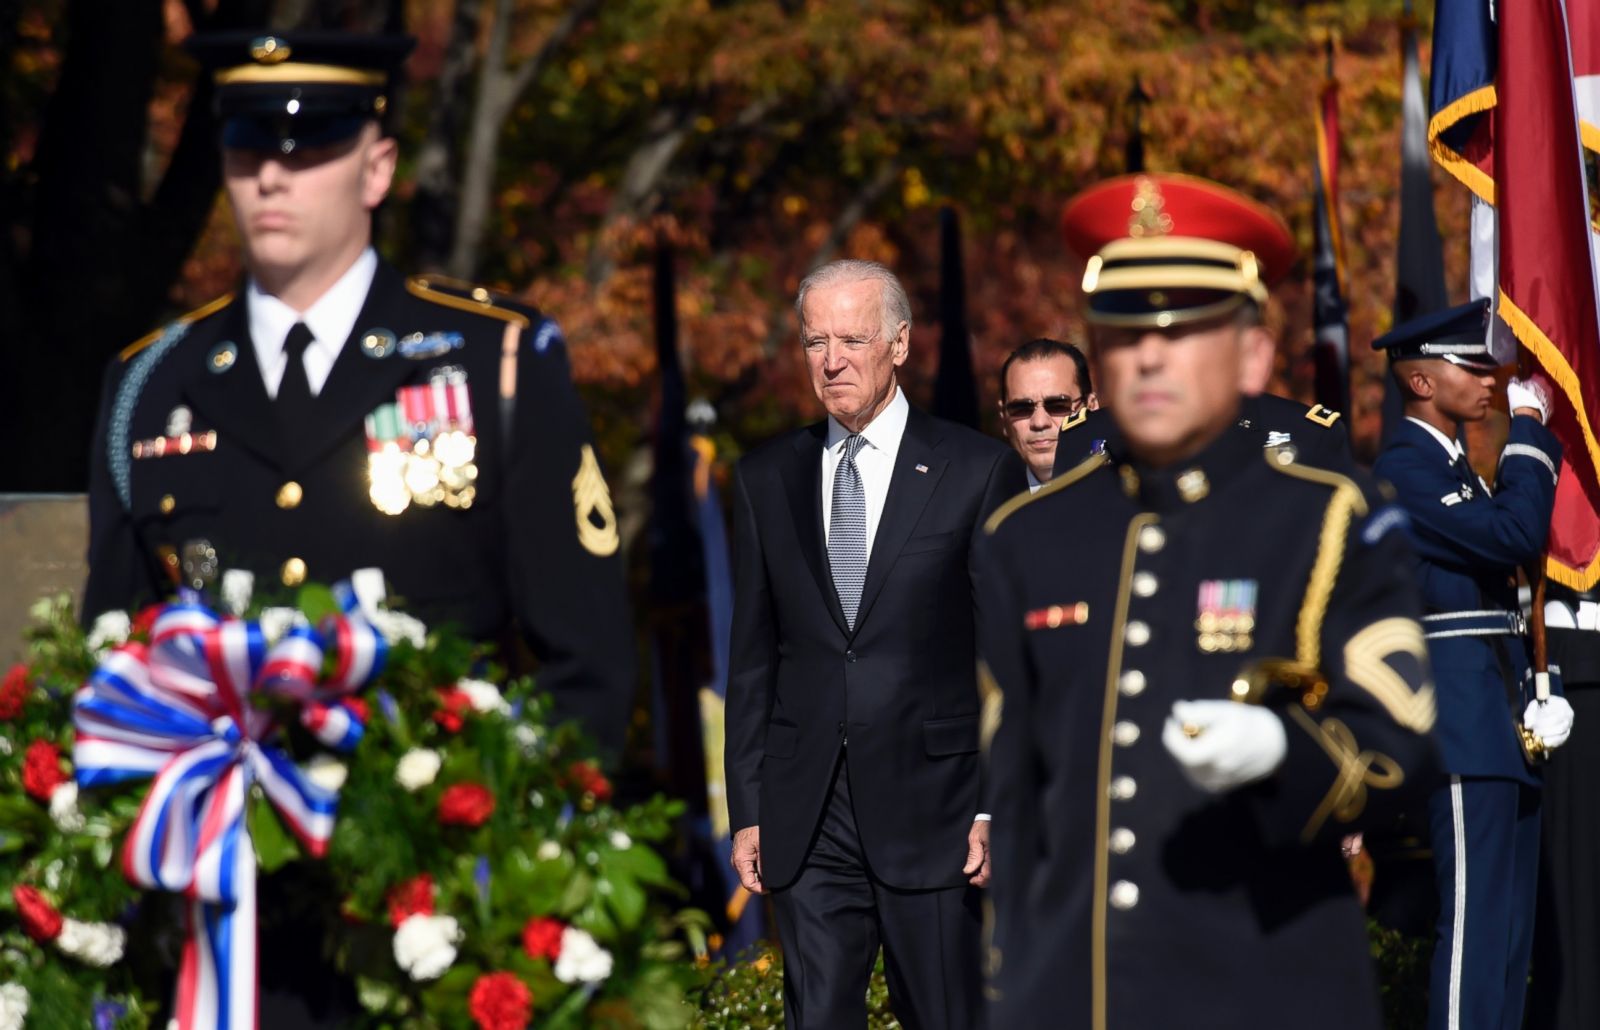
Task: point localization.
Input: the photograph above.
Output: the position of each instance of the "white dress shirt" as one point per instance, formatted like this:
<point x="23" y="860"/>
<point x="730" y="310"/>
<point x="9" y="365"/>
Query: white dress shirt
<point x="875" y="464"/>
<point x="1451" y="447"/>
<point x="1033" y="482"/>
<point x="874" y="461"/>
<point x="331" y="320"/>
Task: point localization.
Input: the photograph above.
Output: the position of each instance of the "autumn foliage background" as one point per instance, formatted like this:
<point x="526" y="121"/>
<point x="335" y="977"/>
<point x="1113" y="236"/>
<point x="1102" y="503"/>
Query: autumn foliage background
<point x="759" y="137"/>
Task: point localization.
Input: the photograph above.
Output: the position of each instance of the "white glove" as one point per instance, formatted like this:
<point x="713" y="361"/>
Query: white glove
<point x="1221" y="745"/>
<point x="1528" y="393"/>
<point x="1550" y="720"/>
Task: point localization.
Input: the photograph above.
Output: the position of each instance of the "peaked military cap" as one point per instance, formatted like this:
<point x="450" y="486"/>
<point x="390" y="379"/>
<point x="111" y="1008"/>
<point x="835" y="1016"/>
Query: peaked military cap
<point x="304" y="89"/>
<point x="1459" y="335"/>
<point x="1165" y="249"/>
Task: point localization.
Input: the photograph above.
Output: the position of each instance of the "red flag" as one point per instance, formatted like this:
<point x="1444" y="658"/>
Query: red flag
<point x="1547" y="284"/>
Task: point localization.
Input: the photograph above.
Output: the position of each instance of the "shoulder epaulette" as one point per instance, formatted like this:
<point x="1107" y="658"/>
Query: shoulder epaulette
<point x="453" y="293"/>
<point x="208" y="308"/>
<point x="1056" y="485"/>
<point x="1281" y="458"/>
<point x="1324" y="417"/>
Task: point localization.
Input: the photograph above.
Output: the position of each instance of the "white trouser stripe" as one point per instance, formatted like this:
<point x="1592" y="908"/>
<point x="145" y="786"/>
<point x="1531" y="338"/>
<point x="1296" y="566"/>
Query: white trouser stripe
<point x="1458" y="931"/>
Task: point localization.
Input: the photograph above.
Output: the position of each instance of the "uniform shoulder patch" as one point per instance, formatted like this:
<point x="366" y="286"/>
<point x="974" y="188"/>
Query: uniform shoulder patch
<point x="1324" y="417"/>
<point x="1075" y="420"/>
<point x="205" y="310"/>
<point x="480" y="300"/>
<point x="1056" y="485"/>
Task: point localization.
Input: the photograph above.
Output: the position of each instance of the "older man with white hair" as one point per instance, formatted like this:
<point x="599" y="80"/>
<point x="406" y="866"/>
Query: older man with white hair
<point x="853" y="707"/>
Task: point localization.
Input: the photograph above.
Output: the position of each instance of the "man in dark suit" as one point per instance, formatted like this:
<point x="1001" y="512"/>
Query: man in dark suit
<point x="333" y="415"/>
<point x="1470" y="542"/>
<point x="1205" y="660"/>
<point x="853" y="706"/>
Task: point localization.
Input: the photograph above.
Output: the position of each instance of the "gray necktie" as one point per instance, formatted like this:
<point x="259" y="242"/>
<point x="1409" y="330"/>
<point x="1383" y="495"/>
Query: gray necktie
<point x="847" y="531"/>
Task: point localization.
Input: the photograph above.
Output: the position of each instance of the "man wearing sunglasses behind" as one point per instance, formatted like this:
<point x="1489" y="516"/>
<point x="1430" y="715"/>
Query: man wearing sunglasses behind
<point x="1042" y="383"/>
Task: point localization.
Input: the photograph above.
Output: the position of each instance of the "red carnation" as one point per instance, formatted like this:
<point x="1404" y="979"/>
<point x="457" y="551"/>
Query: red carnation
<point x="465" y="804"/>
<point x="39" y="920"/>
<point x="500" y="1001"/>
<point x="587" y="777"/>
<point x="541" y="937"/>
<point x="359" y="707"/>
<point x="13" y="691"/>
<point x="412" y="898"/>
<point x="145" y="621"/>
<point x="41" y="770"/>
<point x="453" y="706"/>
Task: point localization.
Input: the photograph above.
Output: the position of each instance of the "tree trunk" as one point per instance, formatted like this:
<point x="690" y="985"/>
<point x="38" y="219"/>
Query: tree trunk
<point x="435" y="205"/>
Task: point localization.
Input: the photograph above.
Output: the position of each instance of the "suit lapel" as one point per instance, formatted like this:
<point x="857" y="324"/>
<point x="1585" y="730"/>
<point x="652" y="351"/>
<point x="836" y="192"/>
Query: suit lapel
<point x="235" y="402"/>
<point x="917" y="471"/>
<point x="357" y="383"/>
<point x="802" y="480"/>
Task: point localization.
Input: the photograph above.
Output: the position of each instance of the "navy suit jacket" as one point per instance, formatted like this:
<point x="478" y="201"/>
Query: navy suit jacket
<point x="1469" y="543"/>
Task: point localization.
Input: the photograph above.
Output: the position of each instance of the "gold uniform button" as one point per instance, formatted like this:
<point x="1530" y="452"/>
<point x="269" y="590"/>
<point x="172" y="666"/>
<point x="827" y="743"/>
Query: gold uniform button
<point x="1124" y="894"/>
<point x="1125" y="733"/>
<point x="294" y="572"/>
<point x="1152" y="539"/>
<point x="1122" y="840"/>
<point x="168" y="503"/>
<point x="1131" y="683"/>
<point x="289" y="495"/>
<point x="1123" y="788"/>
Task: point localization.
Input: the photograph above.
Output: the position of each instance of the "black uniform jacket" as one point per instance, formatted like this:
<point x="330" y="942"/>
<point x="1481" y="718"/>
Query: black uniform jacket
<point x="1125" y="896"/>
<point x="903" y="685"/>
<point x="1318" y="433"/>
<point x="535" y="550"/>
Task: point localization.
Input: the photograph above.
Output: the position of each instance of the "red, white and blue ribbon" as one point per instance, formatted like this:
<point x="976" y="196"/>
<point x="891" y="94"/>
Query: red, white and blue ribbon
<point x="181" y="710"/>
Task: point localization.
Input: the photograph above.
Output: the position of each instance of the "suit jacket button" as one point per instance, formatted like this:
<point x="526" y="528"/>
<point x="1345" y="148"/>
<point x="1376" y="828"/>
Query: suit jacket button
<point x="850" y="656"/>
<point x="294" y="572"/>
<point x="289" y="495"/>
<point x="168" y="503"/>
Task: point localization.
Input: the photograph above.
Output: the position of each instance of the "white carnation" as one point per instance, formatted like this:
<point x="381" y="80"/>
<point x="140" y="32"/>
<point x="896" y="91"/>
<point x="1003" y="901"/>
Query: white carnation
<point x="582" y="960"/>
<point x="484" y="696"/>
<point x="621" y="841"/>
<point x="13" y="1006"/>
<point x="326" y="772"/>
<point x="398" y="626"/>
<point x="425" y="946"/>
<point x="275" y="622"/>
<point x="237" y="587"/>
<point x="549" y="851"/>
<point x="64" y="808"/>
<point x="109" y="630"/>
<point x="527" y="739"/>
<point x="417" y="768"/>
<point x="94" y="944"/>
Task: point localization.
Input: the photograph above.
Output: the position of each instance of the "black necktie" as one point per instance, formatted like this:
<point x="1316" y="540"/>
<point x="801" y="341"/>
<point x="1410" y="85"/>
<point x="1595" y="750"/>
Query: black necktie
<point x="1464" y="472"/>
<point x="294" y="392"/>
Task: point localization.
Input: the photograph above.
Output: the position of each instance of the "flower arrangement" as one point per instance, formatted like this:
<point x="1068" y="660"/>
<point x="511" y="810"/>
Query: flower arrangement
<point x="480" y="875"/>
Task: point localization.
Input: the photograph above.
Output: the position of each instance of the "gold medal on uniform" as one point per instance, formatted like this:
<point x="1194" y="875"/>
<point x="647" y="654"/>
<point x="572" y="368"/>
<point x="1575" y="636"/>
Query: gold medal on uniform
<point x="1226" y="615"/>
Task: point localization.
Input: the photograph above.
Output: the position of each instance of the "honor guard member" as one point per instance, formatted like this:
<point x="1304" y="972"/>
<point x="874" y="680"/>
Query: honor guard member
<point x="1177" y="210"/>
<point x="332" y="415"/>
<point x="1469" y="542"/>
<point x="1213" y="676"/>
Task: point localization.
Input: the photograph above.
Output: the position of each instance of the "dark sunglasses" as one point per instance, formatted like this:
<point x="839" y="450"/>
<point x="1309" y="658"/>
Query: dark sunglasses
<point x="1059" y="406"/>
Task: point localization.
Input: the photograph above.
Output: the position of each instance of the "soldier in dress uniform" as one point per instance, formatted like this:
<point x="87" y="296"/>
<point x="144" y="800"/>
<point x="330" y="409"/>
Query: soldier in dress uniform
<point x="1469" y="543"/>
<point x="1213" y="673"/>
<point x="1318" y="433"/>
<point x="332" y="414"/>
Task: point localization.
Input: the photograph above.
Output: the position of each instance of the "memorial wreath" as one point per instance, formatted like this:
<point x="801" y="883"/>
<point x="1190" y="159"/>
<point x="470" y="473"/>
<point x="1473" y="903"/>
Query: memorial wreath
<point x="478" y="872"/>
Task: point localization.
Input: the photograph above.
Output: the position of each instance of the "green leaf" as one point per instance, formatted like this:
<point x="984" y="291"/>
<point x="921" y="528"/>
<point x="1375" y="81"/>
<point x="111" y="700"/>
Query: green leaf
<point x="624" y="897"/>
<point x="274" y="845"/>
<point x="317" y="602"/>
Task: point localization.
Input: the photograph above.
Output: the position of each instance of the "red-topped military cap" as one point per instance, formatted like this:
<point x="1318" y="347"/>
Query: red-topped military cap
<point x="1163" y="249"/>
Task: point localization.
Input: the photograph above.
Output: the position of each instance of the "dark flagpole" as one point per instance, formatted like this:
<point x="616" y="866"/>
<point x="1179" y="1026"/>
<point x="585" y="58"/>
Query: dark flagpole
<point x="955" y="390"/>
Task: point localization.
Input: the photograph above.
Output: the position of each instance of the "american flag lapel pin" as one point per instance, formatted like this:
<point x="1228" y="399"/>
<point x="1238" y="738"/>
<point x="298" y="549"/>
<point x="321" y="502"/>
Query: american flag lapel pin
<point x="922" y="468"/>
